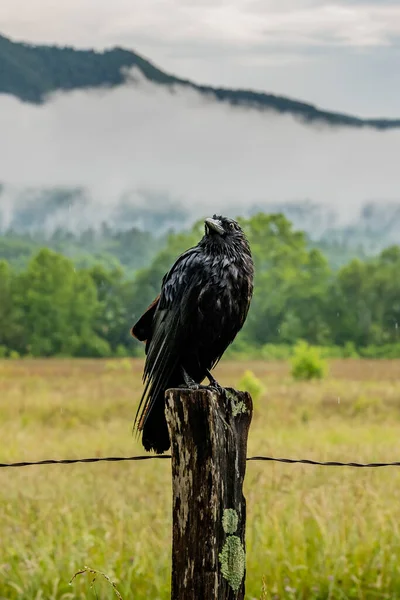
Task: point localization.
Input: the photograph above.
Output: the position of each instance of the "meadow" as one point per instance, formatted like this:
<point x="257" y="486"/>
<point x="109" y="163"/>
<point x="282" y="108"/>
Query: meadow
<point x="312" y="532"/>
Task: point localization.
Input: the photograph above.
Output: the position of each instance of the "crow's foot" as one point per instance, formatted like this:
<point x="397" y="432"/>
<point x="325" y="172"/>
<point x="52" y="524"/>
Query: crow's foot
<point x="193" y="385"/>
<point x="214" y="384"/>
<point x="190" y="382"/>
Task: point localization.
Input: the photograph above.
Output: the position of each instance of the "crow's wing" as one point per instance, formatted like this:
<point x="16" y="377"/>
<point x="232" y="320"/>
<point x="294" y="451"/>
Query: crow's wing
<point x="226" y="307"/>
<point x="172" y="326"/>
<point x="142" y="328"/>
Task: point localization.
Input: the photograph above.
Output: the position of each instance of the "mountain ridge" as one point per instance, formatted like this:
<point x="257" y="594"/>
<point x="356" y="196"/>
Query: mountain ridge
<point x="32" y="72"/>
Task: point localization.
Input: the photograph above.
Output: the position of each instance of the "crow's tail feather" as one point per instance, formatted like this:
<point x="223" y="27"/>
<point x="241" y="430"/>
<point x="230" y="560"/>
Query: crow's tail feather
<point x="155" y="435"/>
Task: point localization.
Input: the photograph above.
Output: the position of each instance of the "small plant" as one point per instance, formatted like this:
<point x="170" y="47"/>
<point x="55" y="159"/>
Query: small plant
<point x="307" y="362"/>
<point x="96" y="573"/>
<point x="250" y="383"/>
<point x="350" y="351"/>
<point x="264" y="590"/>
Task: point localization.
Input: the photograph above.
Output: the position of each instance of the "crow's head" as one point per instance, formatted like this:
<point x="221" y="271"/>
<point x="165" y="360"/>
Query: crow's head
<point x="222" y="226"/>
<point x="223" y="235"/>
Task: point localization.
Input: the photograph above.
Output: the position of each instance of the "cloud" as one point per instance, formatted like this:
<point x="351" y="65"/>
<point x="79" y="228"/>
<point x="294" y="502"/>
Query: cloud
<point x="140" y="142"/>
<point x="237" y="22"/>
<point x="362" y="25"/>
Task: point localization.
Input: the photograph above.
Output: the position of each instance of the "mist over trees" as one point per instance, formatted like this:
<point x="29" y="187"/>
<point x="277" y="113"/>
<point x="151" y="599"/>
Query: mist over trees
<point x="53" y="307"/>
<point x="31" y="72"/>
<point x="130" y="249"/>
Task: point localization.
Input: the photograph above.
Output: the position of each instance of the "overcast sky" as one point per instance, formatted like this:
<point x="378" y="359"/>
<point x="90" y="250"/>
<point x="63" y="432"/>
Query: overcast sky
<point x="342" y="55"/>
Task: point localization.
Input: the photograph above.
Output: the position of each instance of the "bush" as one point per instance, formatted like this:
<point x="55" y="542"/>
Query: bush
<point x="350" y="350"/>
<point x="307" y="362"/>
<point x="330" y="351"/>
<point x="250" y="383"/>
<point x="390" y="351"/>
<point x="94" y="347"/>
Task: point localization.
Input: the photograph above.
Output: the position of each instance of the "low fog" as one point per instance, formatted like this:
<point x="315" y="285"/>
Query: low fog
<point x="128" y="149"/>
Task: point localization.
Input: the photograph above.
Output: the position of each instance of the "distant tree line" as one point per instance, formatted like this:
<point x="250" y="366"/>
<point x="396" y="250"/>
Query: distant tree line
<point x="130" y="249"/>
<point x="54" y="308"/>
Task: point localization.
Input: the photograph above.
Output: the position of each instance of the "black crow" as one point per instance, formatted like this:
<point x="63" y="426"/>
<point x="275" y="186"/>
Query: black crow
<point x="203" y="304"/>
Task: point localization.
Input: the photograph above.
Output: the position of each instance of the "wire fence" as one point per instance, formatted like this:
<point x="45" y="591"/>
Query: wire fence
<point x="291" y="461"/>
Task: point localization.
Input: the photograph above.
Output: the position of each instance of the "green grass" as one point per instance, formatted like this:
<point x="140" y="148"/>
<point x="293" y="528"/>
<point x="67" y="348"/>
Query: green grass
<point x="312" y="532"/>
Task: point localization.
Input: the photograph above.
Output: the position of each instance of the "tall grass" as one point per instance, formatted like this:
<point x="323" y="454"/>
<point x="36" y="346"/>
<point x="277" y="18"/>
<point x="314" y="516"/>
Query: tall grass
<point x="312" y="532"/>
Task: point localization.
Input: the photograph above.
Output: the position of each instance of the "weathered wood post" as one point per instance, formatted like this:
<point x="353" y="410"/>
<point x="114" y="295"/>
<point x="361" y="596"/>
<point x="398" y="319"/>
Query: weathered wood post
<point x="209" y="444"/>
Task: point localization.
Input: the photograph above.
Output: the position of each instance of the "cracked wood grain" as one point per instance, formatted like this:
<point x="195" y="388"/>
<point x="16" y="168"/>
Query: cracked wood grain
<point x="208" y="434"/>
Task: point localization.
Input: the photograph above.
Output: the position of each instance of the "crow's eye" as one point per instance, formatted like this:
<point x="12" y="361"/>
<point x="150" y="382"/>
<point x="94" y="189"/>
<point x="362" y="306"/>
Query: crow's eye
<point x="232" y="225"/>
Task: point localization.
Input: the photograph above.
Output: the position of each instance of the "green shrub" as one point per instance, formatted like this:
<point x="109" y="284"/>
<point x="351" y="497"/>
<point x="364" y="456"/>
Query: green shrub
<point x="390" y="351"/>
<point x="350" y="350"/>
<point x="250" y="383"/>
<point x="94" y="346"/>
<point x="330" y="351"/>
<point x="307" y="362"/>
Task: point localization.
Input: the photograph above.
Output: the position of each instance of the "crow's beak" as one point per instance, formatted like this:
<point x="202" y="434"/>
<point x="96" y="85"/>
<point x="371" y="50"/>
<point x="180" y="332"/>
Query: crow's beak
<point x="214" y="225"/>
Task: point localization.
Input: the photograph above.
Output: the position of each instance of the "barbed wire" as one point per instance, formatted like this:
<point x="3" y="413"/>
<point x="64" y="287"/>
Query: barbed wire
<point x="72" y="461"/>
<point x="291" y="461"/>
<point x="328" y="463"/>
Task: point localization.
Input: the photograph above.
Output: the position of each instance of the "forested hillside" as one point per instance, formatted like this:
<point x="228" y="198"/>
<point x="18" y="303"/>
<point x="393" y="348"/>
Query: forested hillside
<point x="30" y="72"/>
<point x="52" y="308"/>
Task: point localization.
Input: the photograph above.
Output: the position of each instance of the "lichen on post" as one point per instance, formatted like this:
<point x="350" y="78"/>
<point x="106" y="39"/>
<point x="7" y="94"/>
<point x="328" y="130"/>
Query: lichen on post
<point x="233" y="556"/>
<point x="208" y="434"/>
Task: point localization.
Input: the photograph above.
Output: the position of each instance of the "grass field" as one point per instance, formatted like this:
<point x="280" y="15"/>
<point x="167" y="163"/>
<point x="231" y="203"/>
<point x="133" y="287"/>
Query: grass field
<point x="312" y="532"/>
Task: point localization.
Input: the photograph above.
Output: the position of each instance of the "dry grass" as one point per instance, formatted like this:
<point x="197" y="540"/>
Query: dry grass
<point x="312" y="532"/>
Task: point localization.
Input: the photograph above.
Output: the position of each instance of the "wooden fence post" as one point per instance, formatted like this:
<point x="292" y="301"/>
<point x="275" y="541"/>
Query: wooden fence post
<point x="209" y="445"/>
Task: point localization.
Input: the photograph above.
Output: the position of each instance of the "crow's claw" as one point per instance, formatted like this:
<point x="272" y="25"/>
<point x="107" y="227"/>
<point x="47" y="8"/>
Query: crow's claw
<point x="214" y="384"/>
<point x="195" y="386"/>
<point x="217" y="388"/>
